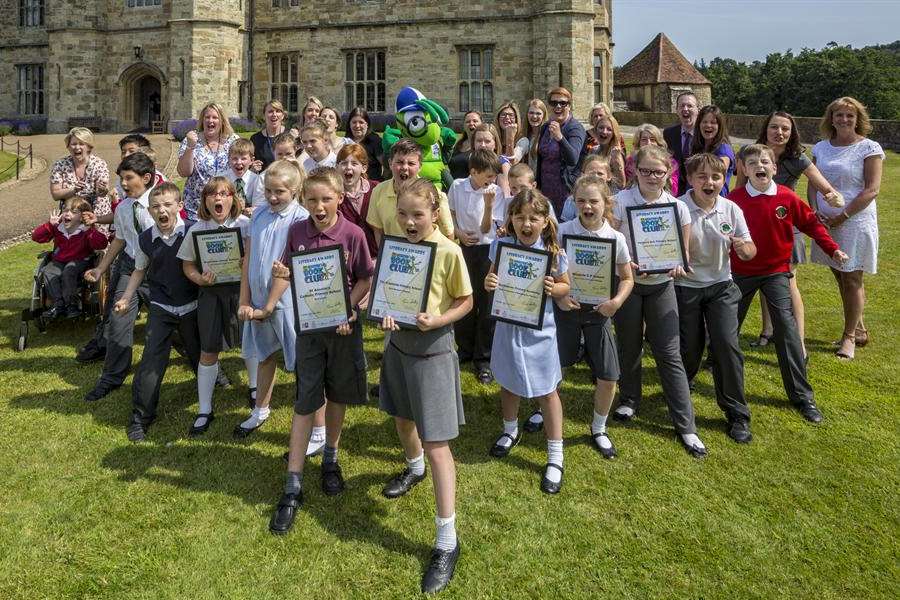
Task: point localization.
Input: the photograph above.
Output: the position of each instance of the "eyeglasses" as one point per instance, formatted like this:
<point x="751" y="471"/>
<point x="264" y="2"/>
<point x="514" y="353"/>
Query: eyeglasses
<point x="652" y="172"/>
<point x="507" y="115"/>
<point x="222" y="194"/>
<point x="558" y="103"/>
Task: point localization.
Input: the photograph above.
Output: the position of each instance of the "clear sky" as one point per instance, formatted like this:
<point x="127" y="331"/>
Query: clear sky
<point x="748" y="30"/>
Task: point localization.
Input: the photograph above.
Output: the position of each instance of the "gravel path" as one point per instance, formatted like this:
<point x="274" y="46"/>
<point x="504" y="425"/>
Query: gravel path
<point x="27" y="203"/>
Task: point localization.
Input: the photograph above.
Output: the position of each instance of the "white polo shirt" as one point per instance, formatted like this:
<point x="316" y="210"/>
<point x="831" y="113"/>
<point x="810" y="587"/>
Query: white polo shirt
<point x="129" y="211"/>
<point x="574" y="227"/>
<point x="632" y="197"/>
<point x="309" y="163"/>
<point x="253" y="186"/>
<point x="709" y="244"/>
<point x="467" y="204"/>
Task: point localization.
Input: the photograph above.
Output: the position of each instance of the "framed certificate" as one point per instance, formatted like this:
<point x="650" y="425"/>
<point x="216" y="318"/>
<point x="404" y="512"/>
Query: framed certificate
<point x="592" y="268"/>
<point x="320" y="291"/>
<point x="402" y="280"/>
<point x="519" y="298"/>
<point x="656" y="242"/>
<point x="220" y="251"/>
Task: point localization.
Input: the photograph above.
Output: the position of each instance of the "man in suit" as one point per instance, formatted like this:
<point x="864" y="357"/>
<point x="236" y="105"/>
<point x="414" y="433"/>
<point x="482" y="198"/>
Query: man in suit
<point x="679" y="137"/>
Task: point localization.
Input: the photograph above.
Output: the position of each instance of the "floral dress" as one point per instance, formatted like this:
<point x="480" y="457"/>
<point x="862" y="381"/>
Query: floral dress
<point x="207" y="164"/>
<point x="96" y="175"/>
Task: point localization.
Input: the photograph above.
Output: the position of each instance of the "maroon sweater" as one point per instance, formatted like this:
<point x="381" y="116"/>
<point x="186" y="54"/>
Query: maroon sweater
<point x="771" y="220"/>
<point x="67" y="249"/>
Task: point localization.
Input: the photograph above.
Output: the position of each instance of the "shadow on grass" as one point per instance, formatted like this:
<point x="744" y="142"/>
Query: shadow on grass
<point x="217" y="468"/>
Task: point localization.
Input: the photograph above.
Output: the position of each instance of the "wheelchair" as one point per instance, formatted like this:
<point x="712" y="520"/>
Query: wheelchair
<point x="92" y="296"/>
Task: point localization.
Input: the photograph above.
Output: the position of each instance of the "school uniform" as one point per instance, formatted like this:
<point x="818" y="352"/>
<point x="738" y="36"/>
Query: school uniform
<point x="708" y="303"/>
<point x="652" y="301"/>
<point x="248" y="187"/>
<point x="268" y="235"/>
<point x="475" y="331"/>
<point x="309" y="163"/>
<point x="771" y="217"/>
<point x="70" y="258"/>
<point x="173" y="307"/>
<point x="383" y="211"/>
<point x="130" y="219"/>
<point x="217" y="305"/>
<point x="600" y="351"/>
<point x="420" y="369"/>
<point x="525" y="361"/>
<point x="329" y="364"/>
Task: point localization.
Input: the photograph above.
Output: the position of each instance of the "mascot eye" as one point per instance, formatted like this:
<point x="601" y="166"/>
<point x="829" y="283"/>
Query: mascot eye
<point x="415" y="122"/>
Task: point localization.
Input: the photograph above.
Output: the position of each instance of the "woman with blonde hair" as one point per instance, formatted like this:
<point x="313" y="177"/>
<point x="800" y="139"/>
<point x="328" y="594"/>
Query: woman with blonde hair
<point x="514" y="143"/>
<point x="204" y="153"/>
<point x="601" y="109"/>
<point x="264" y="139"/>
<point x="82" y="174"/>
<point x="647" y="134"/>
<point x="535" y="117"/>
<point x="852" y="164"/>
<point x="605" y="139"/>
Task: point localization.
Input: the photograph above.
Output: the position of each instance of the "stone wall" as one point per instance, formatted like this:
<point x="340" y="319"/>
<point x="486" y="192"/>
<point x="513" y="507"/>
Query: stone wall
<point x="886" y="133"/>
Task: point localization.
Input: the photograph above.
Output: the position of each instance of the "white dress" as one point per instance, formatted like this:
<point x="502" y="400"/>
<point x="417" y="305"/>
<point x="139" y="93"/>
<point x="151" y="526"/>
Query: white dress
<point x="843" y="167"/>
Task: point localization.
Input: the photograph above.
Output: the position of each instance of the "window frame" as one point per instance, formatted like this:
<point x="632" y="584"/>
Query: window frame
<point x="138" y="4"/>
<point x="30" y="89"/>
<point x="284" y="75"/>
<point x="365" y="79"/>
<point x="475" y="82"/>
<point x="597" y="76"/>
<point x="32" y="13"/>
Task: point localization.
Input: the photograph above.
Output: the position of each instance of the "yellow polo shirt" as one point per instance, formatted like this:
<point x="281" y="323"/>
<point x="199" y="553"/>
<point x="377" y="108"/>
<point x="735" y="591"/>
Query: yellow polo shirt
<point x="383" y="211"/>
<point x="449" y="278"/>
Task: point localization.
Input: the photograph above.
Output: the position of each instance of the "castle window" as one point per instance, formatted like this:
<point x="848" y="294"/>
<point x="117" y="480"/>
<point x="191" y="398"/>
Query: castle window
<point x="285" y="3"/>
<point x="30" y="89"/>
<point x="598" y="78"/>
<point x="137" y="3"/>
<point x="31" y="13"/>
<point x="476" y="70"/>
<point x="285" y="73"/>
<point x="364" y="80"/>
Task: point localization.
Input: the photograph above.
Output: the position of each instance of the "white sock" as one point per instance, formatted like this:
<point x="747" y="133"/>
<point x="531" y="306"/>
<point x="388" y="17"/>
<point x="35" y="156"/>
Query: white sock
<point x="252" y="365"/>
<point x="258" y="416"/>
<point x="691" y="439"/>
<point x="446" y="533"/>
<point x="554" y="456"/>
<point x="511" y="428"/>
<point x="416" y="465"/>
<point x="206" y="382"/>
<point x="599" y="424"/>
<point x="318" y="434"/>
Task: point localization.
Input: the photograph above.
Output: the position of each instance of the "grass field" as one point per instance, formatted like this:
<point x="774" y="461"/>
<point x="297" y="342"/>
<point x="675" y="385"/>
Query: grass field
<point x="7" y="168"/>
<point x="802" y="512"/>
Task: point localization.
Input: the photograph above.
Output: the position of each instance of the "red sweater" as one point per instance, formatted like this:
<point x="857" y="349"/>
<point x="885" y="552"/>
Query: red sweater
<point x="75" y="247"/>
<point x="771" y="220"/>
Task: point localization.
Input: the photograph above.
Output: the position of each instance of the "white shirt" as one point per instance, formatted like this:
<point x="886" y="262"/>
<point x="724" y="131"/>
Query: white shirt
<point x="253" y="186"/>
<point x="467" y="205"/>
<point x="632" y="197"/>
<point x="62" y="229"/>
<point x="574" y="227"/>
<point x="310" y="163"/>
<point x="142" y="261"/>
<point x="124" y="219"/>
<point x="186" y="252"/>
<point x="709" y="244"/>
<point x="769" y="191"/>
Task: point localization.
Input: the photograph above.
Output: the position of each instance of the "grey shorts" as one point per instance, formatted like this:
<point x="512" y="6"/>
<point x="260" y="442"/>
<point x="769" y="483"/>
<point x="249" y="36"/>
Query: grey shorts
<point x="330" y="365"/>
<point x="798" y="252"/>
<point x="217" y="318"/>
<point x="600" y="352"/>
<point x="420" y="382"/>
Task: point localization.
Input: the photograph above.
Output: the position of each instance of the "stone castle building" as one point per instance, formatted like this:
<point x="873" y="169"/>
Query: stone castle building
<point x="117" y="65"/>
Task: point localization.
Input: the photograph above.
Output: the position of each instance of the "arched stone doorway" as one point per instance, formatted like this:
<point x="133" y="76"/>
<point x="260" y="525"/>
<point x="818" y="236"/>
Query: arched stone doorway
<point x="142" y="96"/>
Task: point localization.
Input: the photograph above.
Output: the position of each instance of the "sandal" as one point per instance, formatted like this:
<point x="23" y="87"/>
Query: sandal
<point x="763" y="340"/>
<point x="861" y="335"/>
<point x="498" y="450"/>
<point x="843" y="355"/>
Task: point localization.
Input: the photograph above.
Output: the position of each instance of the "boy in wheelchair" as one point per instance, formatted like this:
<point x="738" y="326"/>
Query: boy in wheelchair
<point x="75" y="239"/>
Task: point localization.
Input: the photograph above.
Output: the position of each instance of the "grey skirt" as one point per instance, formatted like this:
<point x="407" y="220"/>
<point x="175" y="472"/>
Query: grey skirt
<point x="217" y="319"/>
<point x="420" y="382"/>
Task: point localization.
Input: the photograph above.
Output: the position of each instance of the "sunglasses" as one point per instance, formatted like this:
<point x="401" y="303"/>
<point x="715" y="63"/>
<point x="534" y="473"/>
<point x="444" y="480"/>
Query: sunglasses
<point x="558" y="103"/>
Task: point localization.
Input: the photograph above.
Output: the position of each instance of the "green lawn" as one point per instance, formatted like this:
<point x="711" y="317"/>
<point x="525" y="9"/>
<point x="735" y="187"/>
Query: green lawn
<point x="7" y="168"/>
<point x="802" y="512"/>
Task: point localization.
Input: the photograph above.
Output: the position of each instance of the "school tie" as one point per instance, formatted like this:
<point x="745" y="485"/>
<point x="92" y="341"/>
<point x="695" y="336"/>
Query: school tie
<point x="686" y="147"/>
<point x="239" y="190"/>
<point x="134" y="216"/>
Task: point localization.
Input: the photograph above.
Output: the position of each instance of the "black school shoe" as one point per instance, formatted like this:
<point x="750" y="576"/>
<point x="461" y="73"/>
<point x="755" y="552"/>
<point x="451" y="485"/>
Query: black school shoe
<point x="484" y="375"/>
<point x="194" y="430"/>
<point x="403" y="482"/>
<point x="551" y="487"/>
<point x="73" y="311"/>
<point x="332" y="479"/>
<point x="811" y="412"/>
<point x="626" y="410"/>
<point x="90" y="352"/>
<point x="285" y="512"/>
<point x="498" y="450"/>
<point x="532" y="425"/>
<point x="739" y="431"/>
<point x="604" y="452"/>
<point x="100" y="390"/>
<point x="440" y="570"/>
<point x="137" y="432"/>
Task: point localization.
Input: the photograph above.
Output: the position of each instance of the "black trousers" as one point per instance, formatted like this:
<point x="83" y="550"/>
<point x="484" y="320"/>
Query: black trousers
<point x="714" y="309"/>
<point x="788" y="347"/>
<point x="155" y="360"/>
<point x="475" y="332"/>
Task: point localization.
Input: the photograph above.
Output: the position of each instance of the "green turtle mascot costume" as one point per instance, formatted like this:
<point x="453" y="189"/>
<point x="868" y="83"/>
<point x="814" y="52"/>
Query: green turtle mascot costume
<point x="424" y="122"/>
